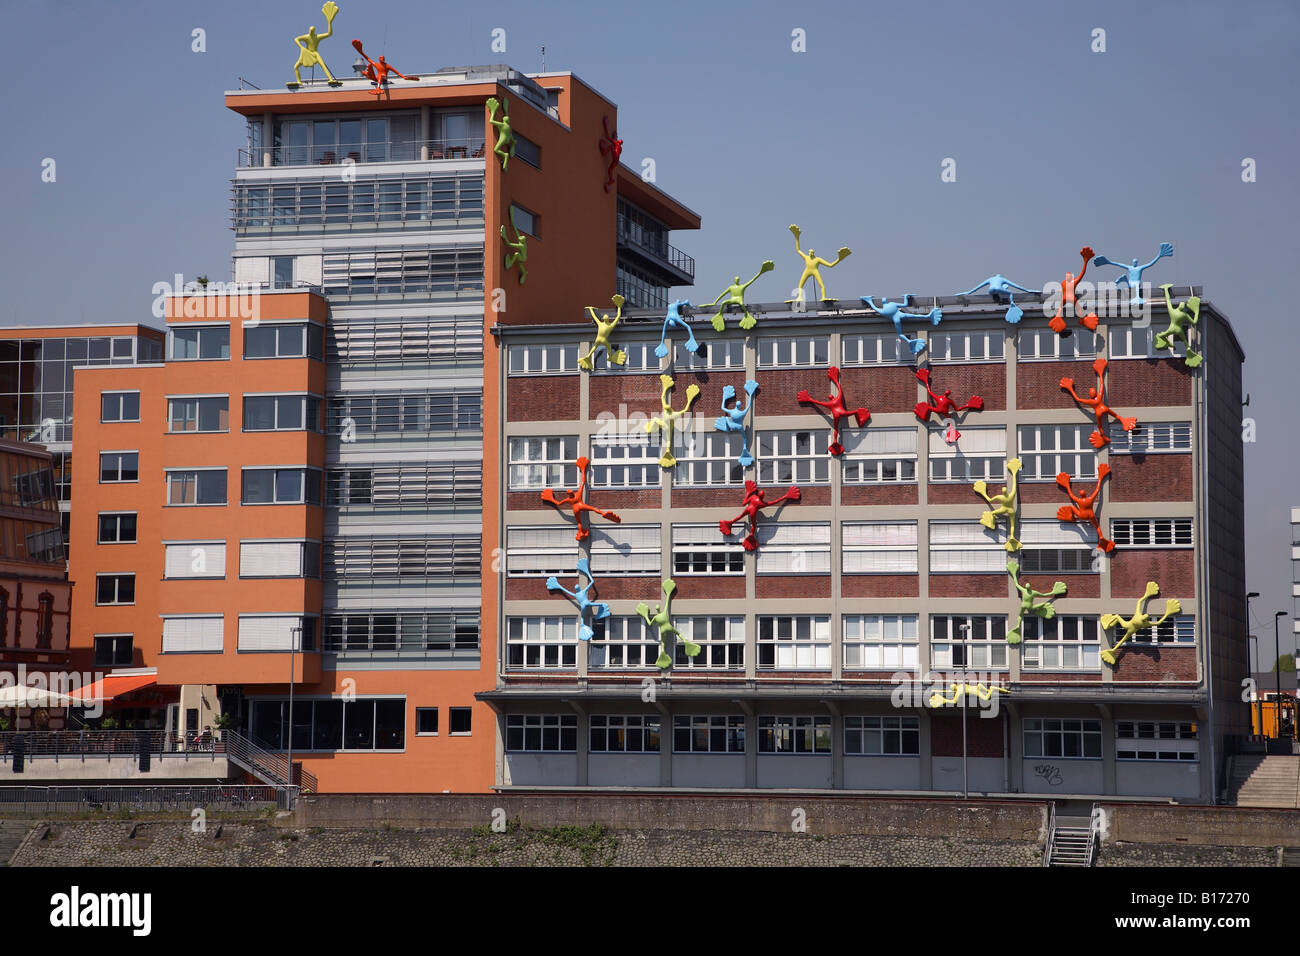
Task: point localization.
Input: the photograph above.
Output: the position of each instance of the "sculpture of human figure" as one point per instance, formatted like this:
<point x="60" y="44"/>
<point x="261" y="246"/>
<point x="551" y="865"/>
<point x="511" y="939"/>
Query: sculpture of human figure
<point x="981" y="690"/>
<point x="1181" y="316"/>
<point x="1132" y="275"/>
<point x="1140" y="620"/>
<point x="1084" y="509"/>
<point x="662" y="620"/>
<point x="734" y="294"/>
<point x="1068" y="287"/>
<point x="1096" y="400"/>
<point x="942" y="405"/>
<point x="837" y="408"/>
<point x="599" y="610"/>
<point x="894" y="312"/>
<point x="604" y="329"/>
<point x="505" y="147"/>
<point x="518" y="250"/>
<point x="1028" y="596"/>
<point x="755" y="502"/>
<point x="1002" y="505"/>
<point x="667" y="420"/>
<point x="377" y="73"/>
<point x="812" y="264"/>
<point x="999" y="286"/>
<point x="733" y="419"/>
<point x="309" y="47"/>
<point x="675" y="320"/>
<point x="573" y="501"/>
<point x="612" y="146"/>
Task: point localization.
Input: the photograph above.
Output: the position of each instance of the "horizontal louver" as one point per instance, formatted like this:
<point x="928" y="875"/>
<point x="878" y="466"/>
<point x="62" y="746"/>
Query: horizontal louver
<point x="191" y="635"/>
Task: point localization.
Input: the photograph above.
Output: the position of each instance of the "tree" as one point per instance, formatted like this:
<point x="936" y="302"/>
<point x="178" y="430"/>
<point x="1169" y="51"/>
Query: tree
<point x="1286" y="663"/>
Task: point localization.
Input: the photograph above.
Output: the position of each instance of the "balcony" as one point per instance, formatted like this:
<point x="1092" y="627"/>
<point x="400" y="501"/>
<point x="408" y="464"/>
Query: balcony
<point x="338" y="154"/>
<point x="112" y="755"/>
<point x="653" y="252"/>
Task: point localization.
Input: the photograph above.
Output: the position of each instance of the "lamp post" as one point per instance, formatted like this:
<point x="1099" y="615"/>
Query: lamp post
<point x="1259" y="698"/>
<point x="1252" y="594"/>
<point x="1277" y="671"/>
<point x="965" y="789"/>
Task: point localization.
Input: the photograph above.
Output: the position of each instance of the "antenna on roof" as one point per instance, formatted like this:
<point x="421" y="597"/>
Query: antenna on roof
<point x="543" y="58"/>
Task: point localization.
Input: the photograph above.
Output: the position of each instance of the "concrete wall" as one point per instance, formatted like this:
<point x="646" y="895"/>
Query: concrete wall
<point x="1201" y="826"/>
<point x="1149" y="778"/>
<point x="983" y="774"/>
<point x="794" y="771"/>
<point x="123" y="769"/>
<point x="541" y="770"/>
<point x="623" y="770"/>
<point x="882" y="773"/>
<point x="709" y="770"/>
<point x="1061" y="775"/>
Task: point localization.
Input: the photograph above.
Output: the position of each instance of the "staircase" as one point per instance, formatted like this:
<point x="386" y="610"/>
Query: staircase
<point x="271" y="768"/>
<point x="1257" y="780"/>
<point x="1071" y="843"/>
<point x="12" y="833"/>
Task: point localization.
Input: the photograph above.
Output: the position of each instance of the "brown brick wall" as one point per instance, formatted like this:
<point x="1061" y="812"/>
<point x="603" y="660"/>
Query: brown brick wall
<point x="1038" y="384"/>
<point x="622" y="499"/>
<point x="968" y="585"/>
<point x="534" y="589"/>
<point x="528" y="501"/>
<point x="1155" y="663"/>
<point x="1171" y="568"/>
<point x="1080" y="585"/>
<point x="733" y="496"/>
<point x="1164" y="477"/>
<point x="698" y="587"/>
<point x="639" y="587"/>
<point x="792" y="586"/>
<point x="1040" y="491"/>
<point x="988" y="380"/>
<point x="542" y="398"/>
<point x="637" y="391"/>
<point x="1050" y="677"/>
<point x="879" y="585"/>
<point x="1147" y="382"/>
<point x="891" y="494"/>
<point x="779" y="386"/>
<point x="891" y="388"/>
<point x="983" y="736"/>
<point x="958" y="494"/>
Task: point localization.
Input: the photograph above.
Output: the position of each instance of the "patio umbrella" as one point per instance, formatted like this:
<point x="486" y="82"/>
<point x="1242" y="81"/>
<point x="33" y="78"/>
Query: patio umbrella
<point x="17" y="695"/>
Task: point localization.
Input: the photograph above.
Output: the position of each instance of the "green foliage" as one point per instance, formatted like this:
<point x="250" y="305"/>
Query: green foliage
<point x="1285" y="663"/>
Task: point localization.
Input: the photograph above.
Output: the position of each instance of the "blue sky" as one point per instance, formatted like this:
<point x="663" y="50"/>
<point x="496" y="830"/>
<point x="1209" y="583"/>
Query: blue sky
<point x="1055" y="146"/>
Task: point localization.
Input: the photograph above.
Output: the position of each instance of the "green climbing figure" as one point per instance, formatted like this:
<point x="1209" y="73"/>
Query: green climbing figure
<point x="668" y="420"/>
<point x="1180" y="317"/>
<point x="518" y="250"/>
<point x="812" y="264"/>
<point x="604" y="329"/>
<point x="663" y="621"/>
<point x="1046" y="610"/>
<point x="505" y="147"/>
<point x="1139" y="621"/>
<point x="1003" y="505"/>
<point x="734" y="294"/>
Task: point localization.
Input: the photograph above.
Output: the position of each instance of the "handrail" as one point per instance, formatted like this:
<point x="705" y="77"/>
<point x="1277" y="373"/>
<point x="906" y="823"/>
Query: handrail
<point x="271" y="766"/>
<point x="1094" y="833"/>
<point x="85" y="742"/>
<point x="634" y="234"/>
<point x="1051" y="834"/>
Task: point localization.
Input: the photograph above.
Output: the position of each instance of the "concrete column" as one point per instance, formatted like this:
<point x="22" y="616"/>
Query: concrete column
<point x="1107" y="749"/>
<point x="751" y="750"/>
<point x="926" y="756"/>
<point x="584" y="743"/>
<point x="1015" y="749"/>
<point x="500" y="772"/>
<point x="665" y="746"/>
<point x="837" y="751"/>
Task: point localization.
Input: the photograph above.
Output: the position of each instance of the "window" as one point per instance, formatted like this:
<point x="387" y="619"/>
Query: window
<point x="640" y="357"/>
<point x="543" y="359"/>
<point x="879" y="455"/>
<point x="540" y="551"/>
<point x="395" y="416"/>
<point x="701" y="549"/>
<point x="524" y="220"/>
<point x="709" y="460"/>
<point x="198" y="343"/>
<point x="712" y="734"/>
<point x="880" y="641"/>
<point x="119" y="407"/>
<point x="281" y="486"/>
<point x="459" y="721"/>
<point x="640" y="290"/>
<point x="294" y="340"/>
<point x="624" y="734"/>
<point x="985" y="644"/>
<point x="282" y="272"/>
<point x="965" y="547"/>
<point x="197" y="487"/>
<point x="1057" y="737"/>
<point x="794" y="735"/>
<point x="276" y="633"/>
<point x="1156" y="740"/>
<point x="44" y="620"/>
<point x="279" y="559"/>
<point x="442" y="632"/>
<point x="46" y="546"/>
<point x="882" y="736"/>
<point x="1054" y="547"/>
<point x="719" y="355"/>
<point x="1066" y="642"/>
<point x="1151" y="437"/>
<point x="192" y="634"/>
<point x="721" y="640"/>
<point x="282" y="413"/>
<point x="978" y="453"/>
<point x="785" y="548"/>
<point x="426" y="721"/>
<point x="194" y="559"/>
<point x="625" y="461"/>
<point x="623" y="642"/>
<point x="966" y="346"/>
<point x="198" y="414"/>
<point x="541" y="642"/>
<point x="367" y="723"/>
<point x="805" y="351"/>
<point x="117" y="527"/>
<point x="1152" y="532"/>
<point x="356" y="341"/>
<point x="543" y="462"/>
<point x="360" y="560"/>
<point x="625" y="549"/>
<point x="1033" y="345"/>
<point x="115" y="589"/>
<point x="119" y="466"/>
<point x="410" y="486"/>
<point x="542" y="733"/>
<point x="1127" y="341"/>
<point x="114" y="650"/>
<point x="528" y="151"/>
<point x="1177" y="630"/>
<point x="1048" y="450"/>
<point x="794" y="642"/>
<point x="878" y="547"/>
<point x="794" y="457"/>
<point x="873" y="350"/>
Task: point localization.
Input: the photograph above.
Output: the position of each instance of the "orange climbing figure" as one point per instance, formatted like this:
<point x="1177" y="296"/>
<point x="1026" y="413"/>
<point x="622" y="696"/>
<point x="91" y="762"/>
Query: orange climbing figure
<point x="612" y="146"/>
<point x="1085" y="508"/>
<point x="309" y="47"/>
<point x="377" y="73"/>
<point x="1096" y="400"/>
<point x="1071" y="282"/>
<point x="574" y="502"/>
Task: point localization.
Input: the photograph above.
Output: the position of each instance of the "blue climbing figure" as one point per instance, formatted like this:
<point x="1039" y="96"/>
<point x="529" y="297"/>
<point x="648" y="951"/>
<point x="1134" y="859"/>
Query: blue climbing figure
<point x="733" y="419"/>
<point x="599" y="610"/>
<point x="999" y="286"/>
<point x="675" y="320"/>
<point x="1132" y="276"/>
<point x="894" y="312"/>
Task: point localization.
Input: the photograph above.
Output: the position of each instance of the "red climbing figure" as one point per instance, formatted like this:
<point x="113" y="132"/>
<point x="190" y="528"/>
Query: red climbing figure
<point x="1096" y="400"/>
<point x="377" y="73"/>
<point x="1088" y="321"/>
<point x="612" y="146"/>
<point x="574" y="503"/>
<point x="835" y="405"/>
<point x="1084" y="508"/>
<point x="942" y="405"/>
<point x="754" y="505"/>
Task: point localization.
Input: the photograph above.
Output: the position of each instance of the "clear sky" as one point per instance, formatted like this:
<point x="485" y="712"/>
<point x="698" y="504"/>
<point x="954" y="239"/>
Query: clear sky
<point x="1056" y="146"/>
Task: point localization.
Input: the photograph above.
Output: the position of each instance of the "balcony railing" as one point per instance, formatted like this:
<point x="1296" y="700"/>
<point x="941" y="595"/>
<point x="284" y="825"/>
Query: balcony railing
<point x="142" y="799"/>
<point x="362" y="153"/>
<point x="651" y="243"/>
<point x="111" y="743"/>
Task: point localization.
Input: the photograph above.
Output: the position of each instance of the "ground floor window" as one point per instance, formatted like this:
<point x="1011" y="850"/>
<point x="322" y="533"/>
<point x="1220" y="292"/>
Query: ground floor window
<point x="794" y="735"/>
<point x="624" y="733"/>
<point x="375" y="723"/>
<point x="882" y="735"/>
<point x="1062" y="737"/>
<point x="712" y="734"/>
<point x="542" y="733"/>
<point x="1156" y="740"/>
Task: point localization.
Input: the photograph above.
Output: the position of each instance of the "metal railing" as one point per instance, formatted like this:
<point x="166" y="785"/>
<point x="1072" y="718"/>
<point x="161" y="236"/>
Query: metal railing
<point x="402" y="151"/>
<point x="1051" y="833"/>
<point x="1094" y="834"/>
<point x="633" y="234"/>
<point x="268" y="765"/>
<point x="83" y="743"/>
<point x="141" y="799"/>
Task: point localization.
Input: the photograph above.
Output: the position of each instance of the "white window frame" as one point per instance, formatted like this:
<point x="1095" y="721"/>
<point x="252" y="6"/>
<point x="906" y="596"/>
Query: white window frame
<point x="117" y="588"/>
<point x="987" y="647"/>
<point x="720" y="355"/>
<point x="1049" y="546"/>
<point x="721" y="640"/>
<point x="553" y="638"/>
<point x="274" y="643"/>
<point x="861" y="732"/>
<point x="214" y="557"/>
<point x="302" y="546"/>
<point x="1151" y="438"/>
<point x="1164" y="741"/>
<point x="1073" y="636"/>
<point x="99" y="528"/>
<point x="538" y="551"/>
<point x="1155" y="533"/>
<point x="793" y="351"/>
<point x="868" y="349"/>
<point x="536" y="359"/>
<point x="626" y="549"/>
<point x="788" y="649"/>
<point x="537" y="462"/>
<point x="878" y="547"/>
<point x="781" y="461"/>
<point x="706" y="551"/>
<point x="712" y="454"/>
<point x="626" y="638"/>
<point x="642" y="468"/>
<point x="167" y="488"/>
<point x="980" y="453"/>
<point x="172" y="419"/>
<point x="965" y="547"/>
<point x="310" y="475"/>
<point x="989" y="344"/>
<point x="1178" y="631"/>
<point x="207" y="639"/>
<point x="873" y="642"/>
<point x="1131" y="342"/>
<point x="1040" y="463"/>
<point x="310" y="423"/>
<point x="786" y="547"/>
<point x="879" y="456"/>
<point x="201" y="327"/>
<point x="120" y="395"/>
<point x="278" y="325"/>
<point x="1044" y="345"/>
<point x="119" y="480"/>
<point x="1040" y="729"/>
<point x="640" y="358"/>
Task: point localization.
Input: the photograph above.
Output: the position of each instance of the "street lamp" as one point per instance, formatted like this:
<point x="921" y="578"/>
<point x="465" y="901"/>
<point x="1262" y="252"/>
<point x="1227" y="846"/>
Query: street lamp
<point x="965" y="789"/>
<point x="1252" y="594"/>
<point x="1277" y="670"/>
<point x="1259" y="698"/>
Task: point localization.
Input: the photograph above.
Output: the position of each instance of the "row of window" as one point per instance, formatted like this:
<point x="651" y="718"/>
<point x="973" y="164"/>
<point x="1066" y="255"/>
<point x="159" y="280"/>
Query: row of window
<point x="207" y="559"/>
<point x="211" y="413"/>
<point x="310" y="204"/>
<point x="207" y="486"/>
<point x="264" y="340"/>
<point x="863" y="736"/>
<point x="804" y="642"/>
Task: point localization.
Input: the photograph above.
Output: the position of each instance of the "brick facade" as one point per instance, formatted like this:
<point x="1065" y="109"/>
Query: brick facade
<point x="968" y="585"/>
<point x="879" y="585"/>
<point x="884" y="494"/>
<point x="1158" y="477"/>
<point x="542" y="398"/>
<point x="1147" y="382"/>
<point x="1172" y="568"/>
<point x="792" y="586"/>
<point x="1155" y="662"/>
<point x="983" y="735"/>
<point x="1038" y="385"/>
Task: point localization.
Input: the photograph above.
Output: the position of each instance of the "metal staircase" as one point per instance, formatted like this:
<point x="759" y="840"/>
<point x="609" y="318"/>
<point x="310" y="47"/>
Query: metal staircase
<point x="269" y="767"/>
<point x="1071" y="841"/>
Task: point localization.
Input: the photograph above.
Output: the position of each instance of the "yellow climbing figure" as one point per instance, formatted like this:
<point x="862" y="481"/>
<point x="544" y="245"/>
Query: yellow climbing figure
<point x="1139" y="621"/>
<point x="812" y="264"/>
<point x="1003" y="505"/>
<point x="309" y="47"/>
<point x="604" y="329"/>
<point x="667" y="421"/>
